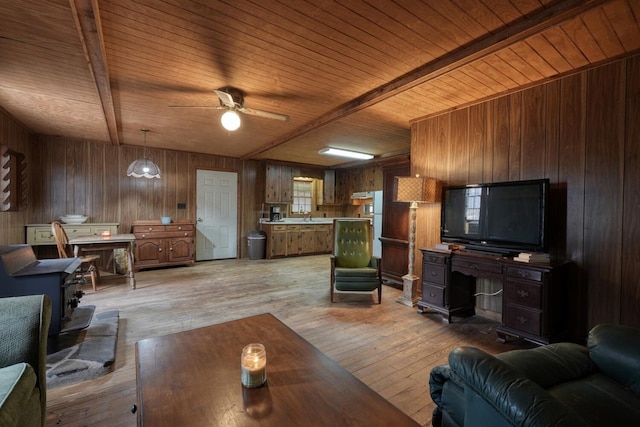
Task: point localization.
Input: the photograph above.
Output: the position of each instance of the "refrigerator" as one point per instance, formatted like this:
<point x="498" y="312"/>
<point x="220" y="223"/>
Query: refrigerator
<point x="377" y="223"/>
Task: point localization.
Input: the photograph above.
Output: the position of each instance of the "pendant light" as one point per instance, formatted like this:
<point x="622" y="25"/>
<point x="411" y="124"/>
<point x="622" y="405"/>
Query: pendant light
<point x="144" y="168"/>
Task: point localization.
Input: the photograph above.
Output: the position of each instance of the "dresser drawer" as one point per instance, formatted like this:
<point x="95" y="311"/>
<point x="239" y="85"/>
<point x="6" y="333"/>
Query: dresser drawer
<point x="525" y="273"/>
<point x="470" y="265"/>
<point x="179" y="227"/>
<point x="523" y="319"/>
<point x="148" y="228"/>
<point x="434" y="273"/>
<point x="433" y="295"/>
<point x="528" y="294"/>
<point x="434" y="258"/>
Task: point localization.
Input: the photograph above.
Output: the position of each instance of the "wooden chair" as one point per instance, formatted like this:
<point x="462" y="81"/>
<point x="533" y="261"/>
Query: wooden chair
<point x="65" y="250"/>
<point x="353" y="266"/>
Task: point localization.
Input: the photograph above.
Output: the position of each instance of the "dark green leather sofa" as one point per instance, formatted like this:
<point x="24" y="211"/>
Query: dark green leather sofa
<point x="24" y="325"/>
<point x="560" y="384"/>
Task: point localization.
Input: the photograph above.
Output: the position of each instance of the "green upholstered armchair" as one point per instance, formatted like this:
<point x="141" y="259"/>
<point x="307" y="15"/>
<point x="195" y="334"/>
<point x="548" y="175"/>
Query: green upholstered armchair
<point x="23" y="359"/>
<point x="353" y="266"/>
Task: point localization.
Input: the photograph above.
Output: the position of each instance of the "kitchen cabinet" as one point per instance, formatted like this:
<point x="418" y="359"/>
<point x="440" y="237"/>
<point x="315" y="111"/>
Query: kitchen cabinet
<point x="333" y="189"/>
<point x="40" y="234"/>
<point x="298" y="239"/>
<point x="323" y="238"/>
<point x="276" y="241"/>
<point x="159" y="245"/>
<point x="279" y="183"/>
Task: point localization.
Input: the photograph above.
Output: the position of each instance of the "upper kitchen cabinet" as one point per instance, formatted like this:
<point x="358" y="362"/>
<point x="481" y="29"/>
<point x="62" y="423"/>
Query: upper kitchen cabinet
<point x="279" y="183"/>
<point x="330" y="192"/>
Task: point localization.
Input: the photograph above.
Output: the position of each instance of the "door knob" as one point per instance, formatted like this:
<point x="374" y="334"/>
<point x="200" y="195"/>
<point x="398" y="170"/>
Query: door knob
<point x="199" y="219"/>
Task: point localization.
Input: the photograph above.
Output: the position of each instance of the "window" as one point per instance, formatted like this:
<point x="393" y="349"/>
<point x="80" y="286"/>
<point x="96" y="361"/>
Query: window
<point x="472" y="210"/>
<point x="302" y="196"/>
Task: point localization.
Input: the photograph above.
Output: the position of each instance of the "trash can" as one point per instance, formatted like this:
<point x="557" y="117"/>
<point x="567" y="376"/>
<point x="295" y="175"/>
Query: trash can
<point x="257" y="239"/>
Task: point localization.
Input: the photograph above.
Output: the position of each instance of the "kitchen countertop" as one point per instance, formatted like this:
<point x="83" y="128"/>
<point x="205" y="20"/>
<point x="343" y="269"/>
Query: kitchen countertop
<point x="297" y="221"/>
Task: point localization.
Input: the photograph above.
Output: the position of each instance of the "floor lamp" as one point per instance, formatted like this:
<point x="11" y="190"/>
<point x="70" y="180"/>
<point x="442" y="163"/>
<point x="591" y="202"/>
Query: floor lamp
<point x="412" y="190"/>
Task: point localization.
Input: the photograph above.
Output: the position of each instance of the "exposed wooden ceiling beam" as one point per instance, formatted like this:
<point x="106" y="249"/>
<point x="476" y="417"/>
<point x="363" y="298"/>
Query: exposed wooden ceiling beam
<point x="546" y="18"/>
<point x="86" y="15"/>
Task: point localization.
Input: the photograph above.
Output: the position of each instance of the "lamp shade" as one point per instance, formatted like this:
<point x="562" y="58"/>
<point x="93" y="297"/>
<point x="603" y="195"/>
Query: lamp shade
<point x="143" y="168"/>
<point x="415" y="189"/>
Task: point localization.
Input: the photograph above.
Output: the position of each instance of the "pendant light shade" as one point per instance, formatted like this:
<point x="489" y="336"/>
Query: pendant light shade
<point x="144" y="168"/>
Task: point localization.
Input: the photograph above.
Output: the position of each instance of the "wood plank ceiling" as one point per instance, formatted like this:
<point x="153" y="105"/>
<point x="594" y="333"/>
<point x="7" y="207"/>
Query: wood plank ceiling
<point x="350" y="74"/>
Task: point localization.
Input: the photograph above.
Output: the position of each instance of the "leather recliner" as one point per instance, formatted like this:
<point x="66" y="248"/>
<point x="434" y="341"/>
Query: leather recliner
<point x="561" y="384"/>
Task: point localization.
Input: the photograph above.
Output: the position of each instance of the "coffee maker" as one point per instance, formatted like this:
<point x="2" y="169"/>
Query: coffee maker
<point x="274" y="213"/>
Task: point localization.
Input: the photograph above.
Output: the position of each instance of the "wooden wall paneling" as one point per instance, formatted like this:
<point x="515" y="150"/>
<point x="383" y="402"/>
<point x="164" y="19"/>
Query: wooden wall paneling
<point x="95" y="180"/>
<point x="571" y="174"/>
<point x="557" y="197"/>
<point x="603" y="202"/>
<point x="17" y="138"/>
<point x="129" y="190"/>
<point x="114" y="173"/>
<point x="500" y="125"/>
<point x="532" y="151"/>
<point x="488" y="145"/>
<point x="458" y="156"/>
<point x="476" y="143"/>
<point x="630" y="278"/>
<point x="515" y="135"/>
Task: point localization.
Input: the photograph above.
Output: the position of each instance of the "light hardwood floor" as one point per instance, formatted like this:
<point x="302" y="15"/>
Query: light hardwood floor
<point x="389" y="346"/>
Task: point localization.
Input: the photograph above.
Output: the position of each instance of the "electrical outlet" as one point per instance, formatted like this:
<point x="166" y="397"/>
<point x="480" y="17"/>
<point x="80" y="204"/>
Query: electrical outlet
<point x="182" y="206"/>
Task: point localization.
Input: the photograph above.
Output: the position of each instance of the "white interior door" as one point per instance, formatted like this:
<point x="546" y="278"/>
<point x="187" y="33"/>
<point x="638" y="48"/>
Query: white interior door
<point x="217" y="215"/>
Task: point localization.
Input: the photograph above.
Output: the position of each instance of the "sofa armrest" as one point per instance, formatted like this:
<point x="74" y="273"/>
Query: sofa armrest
<point x="25" y="324"/>
<point x="506" y="392"/>
<point x="615" y="349"/>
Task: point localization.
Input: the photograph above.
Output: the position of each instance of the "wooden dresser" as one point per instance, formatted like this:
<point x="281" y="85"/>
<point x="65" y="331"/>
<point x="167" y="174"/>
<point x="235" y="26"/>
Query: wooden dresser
<point x="159" y="245"/>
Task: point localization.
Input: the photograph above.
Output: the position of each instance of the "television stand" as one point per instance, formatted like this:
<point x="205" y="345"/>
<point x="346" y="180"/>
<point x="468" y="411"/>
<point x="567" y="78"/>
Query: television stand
<point x="534" y="297"/>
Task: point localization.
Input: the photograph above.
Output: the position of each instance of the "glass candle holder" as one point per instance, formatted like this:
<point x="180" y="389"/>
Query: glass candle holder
<point x="106" y="233"/>
<point x="253" y="363"/>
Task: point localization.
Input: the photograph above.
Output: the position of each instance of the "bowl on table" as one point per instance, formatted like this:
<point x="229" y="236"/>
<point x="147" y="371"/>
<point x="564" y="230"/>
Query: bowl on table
<point x="73" y="219"/>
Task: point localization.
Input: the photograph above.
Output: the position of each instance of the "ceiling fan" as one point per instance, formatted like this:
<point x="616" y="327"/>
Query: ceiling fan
<point x="232" y="100"/>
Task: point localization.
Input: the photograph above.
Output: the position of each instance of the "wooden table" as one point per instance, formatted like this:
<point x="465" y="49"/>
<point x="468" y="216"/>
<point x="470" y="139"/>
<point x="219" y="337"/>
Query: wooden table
<point x="99" y="243"/>
<point x="192" y="378"/>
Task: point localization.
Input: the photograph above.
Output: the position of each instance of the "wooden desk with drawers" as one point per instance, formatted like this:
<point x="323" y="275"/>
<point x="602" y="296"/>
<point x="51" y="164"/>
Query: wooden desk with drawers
<point x="534" y="296"/>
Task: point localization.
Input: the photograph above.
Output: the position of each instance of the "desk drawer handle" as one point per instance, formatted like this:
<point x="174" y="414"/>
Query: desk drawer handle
<point x="144" y="235"/>
<point x="524" y="274"/>
<point x="432" y="295"/>
<point x="434" y="274"/>
<point x="179" y="228"/>
<point x="159" y="249"/>
<point x="522" y="293"/>
<point x="186" y="234"/>
<point x="474" y="266"/>
<point x="522" y="319"/>
<point x="150" y="228"/>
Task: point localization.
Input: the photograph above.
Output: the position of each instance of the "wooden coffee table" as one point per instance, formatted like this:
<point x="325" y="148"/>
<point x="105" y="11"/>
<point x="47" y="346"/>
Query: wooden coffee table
<point x="192" y="378"/>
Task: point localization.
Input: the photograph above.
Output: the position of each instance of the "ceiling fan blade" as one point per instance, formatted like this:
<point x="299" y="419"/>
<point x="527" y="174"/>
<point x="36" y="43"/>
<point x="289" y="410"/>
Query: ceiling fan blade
<point x="264" y="114"/>
<point x="225" y="98"/>
<point x="212" y="107"/>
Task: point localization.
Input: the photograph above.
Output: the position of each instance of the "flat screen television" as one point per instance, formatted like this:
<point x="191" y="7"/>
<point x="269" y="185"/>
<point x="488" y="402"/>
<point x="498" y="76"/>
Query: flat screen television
<point x="502" y="217"/>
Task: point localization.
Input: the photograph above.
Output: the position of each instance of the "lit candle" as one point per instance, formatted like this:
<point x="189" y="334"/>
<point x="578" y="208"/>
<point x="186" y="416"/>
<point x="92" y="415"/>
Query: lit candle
<point x="106" y="233"/>
<point x="253" y="362"/>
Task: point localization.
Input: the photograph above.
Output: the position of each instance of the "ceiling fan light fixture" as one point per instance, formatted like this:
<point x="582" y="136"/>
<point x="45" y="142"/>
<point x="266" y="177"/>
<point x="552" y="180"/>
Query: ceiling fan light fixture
<point x="345" y="153"/>
<point x="230" y="120"/>
<point x="143" y="168"/>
